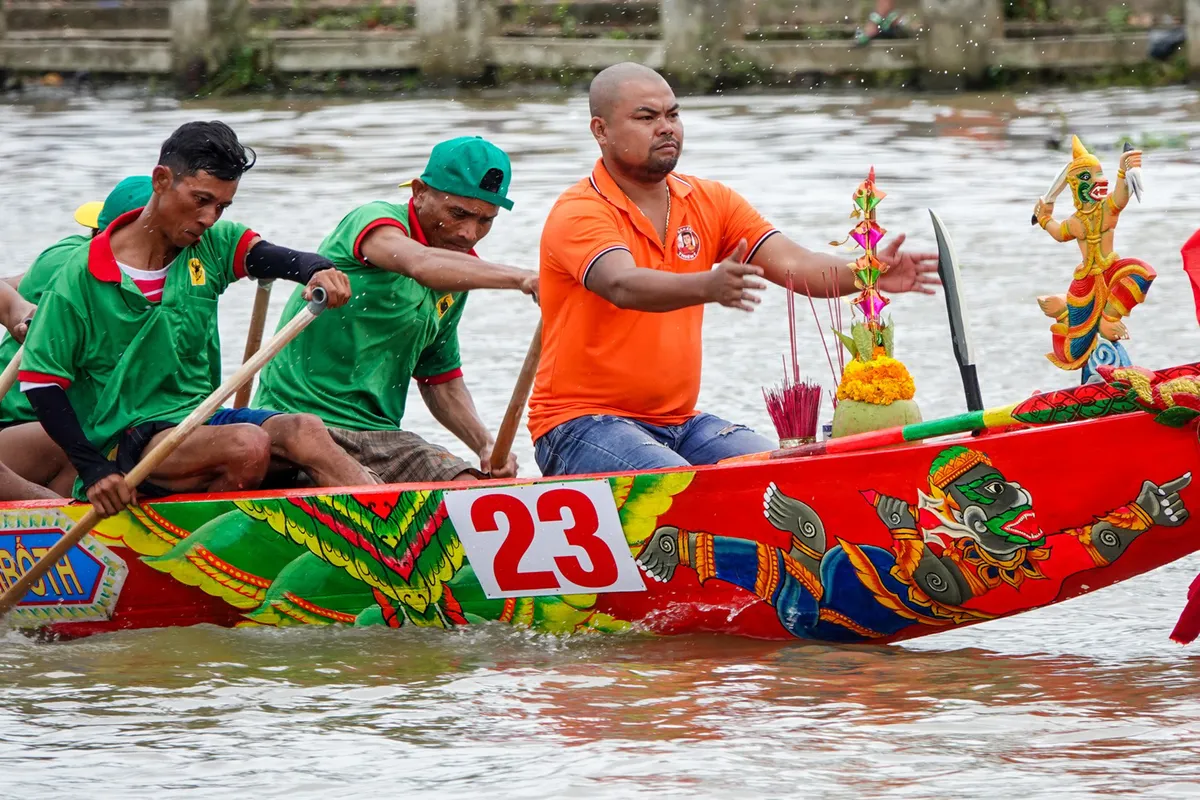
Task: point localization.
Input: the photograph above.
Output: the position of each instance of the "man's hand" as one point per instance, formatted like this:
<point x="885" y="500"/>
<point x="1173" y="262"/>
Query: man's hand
<point x="336" y="286"/>
<point x="17" y="316"/>
<point x="20" y="327"/>
<point x="908" y="272"/>
<point x="509" y="470"/>
<point x="110" y="495"/>
<point x="730" y="282"/>
<point x="529" y="286"/>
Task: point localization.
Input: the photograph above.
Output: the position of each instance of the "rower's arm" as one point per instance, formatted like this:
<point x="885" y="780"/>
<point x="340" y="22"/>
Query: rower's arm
<point x="814" y="274"/>
<point x="451" y="404"/>
<point x="13" y="280"/>
<point x="387" y="247"/>
<point x="271" y="261"/>
<point x="54" y="410"/>
<point x="619" y="280"/>
<point x="15" y="311"/>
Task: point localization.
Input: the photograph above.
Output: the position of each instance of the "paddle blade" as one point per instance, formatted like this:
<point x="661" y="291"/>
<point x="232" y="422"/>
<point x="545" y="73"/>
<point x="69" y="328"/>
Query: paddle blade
<point x="964" y="348"/>
<point x="1188" y="627"/>
<point x="1191" y="265"/>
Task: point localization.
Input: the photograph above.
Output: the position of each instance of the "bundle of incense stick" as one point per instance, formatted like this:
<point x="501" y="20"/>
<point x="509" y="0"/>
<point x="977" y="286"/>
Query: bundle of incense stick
<point x="835" y="323"/>
<point x="795" y="405"/>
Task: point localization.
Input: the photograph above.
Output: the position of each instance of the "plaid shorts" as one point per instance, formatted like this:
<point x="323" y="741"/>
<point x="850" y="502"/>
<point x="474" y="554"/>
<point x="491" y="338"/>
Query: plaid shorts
<point x="401" y="456"/>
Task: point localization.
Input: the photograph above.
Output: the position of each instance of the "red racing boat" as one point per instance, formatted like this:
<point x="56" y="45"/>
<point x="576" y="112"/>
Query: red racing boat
<point x="881" y="544"/>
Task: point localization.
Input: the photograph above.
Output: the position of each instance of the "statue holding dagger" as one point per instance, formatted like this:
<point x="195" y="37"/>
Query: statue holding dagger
<point x="1088" y="320"/>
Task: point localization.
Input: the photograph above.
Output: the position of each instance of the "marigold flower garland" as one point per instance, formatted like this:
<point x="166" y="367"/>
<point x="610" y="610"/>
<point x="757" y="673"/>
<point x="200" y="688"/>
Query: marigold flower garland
<point x="881" y="381"/>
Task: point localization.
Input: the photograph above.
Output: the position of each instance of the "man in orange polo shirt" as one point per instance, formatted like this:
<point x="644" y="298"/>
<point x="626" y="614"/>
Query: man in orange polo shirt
<point x="627" y="266"/>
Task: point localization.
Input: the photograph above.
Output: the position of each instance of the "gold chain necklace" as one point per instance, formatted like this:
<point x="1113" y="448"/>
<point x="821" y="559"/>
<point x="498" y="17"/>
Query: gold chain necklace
<point x="667" y="226"/>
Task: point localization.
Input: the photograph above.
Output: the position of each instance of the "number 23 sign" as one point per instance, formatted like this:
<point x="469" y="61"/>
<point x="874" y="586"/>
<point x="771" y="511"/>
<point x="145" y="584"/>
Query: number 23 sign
<point x="549" y="538"/>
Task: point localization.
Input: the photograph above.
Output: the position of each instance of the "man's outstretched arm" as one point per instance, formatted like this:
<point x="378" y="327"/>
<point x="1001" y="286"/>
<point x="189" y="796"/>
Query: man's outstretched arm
<point x="615" y="277"/>
<point x="828" y="275"/>
<point x="389" y="248"/>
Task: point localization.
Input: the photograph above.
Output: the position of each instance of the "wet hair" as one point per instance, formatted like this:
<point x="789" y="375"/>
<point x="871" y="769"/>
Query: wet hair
<point x="210" y="147"/>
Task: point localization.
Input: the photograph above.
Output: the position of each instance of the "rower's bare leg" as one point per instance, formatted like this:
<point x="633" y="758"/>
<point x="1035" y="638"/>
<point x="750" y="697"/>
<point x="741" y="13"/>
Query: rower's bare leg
<point x="215" y="458"/>
<point x="303" y="441"/>
<point x="29" y="451"/>
<point x="64" y="482"/>
<point x="14" y="487"/>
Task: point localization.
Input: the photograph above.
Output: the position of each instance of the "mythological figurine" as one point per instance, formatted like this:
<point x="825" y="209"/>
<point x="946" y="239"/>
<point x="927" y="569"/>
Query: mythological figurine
<point x="1088" y="325"/>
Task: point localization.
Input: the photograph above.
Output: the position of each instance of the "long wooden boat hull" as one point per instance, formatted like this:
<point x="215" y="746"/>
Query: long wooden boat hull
<point x="876" y="546"/>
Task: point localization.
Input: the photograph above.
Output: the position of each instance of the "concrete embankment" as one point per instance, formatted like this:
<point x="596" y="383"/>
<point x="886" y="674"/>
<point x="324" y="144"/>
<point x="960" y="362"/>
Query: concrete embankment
<point x="255" y="44"/>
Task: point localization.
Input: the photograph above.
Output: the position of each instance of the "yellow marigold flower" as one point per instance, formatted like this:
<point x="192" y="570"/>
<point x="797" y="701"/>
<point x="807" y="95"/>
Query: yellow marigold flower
<point x="881" y="381"/>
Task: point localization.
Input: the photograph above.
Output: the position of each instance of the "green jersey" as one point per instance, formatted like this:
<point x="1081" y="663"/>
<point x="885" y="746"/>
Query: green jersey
<point x="96" y="334"/>
<point x="14" y="408"/>
<point x="352" y="368"/>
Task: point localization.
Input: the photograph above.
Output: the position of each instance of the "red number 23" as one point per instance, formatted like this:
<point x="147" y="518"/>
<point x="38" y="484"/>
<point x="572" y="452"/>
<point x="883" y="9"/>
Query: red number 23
<point x="550" y="506"/>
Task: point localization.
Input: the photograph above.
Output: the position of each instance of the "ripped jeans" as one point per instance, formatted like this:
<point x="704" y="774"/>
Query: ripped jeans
<point x="600" y="443"/>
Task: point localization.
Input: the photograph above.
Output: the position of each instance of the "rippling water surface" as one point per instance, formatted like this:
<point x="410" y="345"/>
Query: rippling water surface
<point x="1088" y="698"/>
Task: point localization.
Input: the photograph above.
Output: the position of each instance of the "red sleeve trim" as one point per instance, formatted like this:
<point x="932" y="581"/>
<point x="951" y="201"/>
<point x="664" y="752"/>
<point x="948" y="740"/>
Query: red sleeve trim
<point x="239" y="255"/>
<point x="382" y="222"/>
<point x="445" y="377"/>
<point x="29" y="376"/>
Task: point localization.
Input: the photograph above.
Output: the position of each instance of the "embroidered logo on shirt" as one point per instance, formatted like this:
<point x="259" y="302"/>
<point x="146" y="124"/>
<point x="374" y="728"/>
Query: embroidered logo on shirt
<point x="687" y="243"/>
<point x="443" y="304"/>
<point x="196" y="270"/>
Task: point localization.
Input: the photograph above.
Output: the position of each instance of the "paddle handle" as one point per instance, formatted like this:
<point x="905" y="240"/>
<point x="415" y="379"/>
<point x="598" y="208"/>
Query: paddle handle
<point x="9" y="377"/>
<point x="258" y="322"/>
<point x="164" y="448"/>
<point x="970" y="379"/>
<point x="516" y="404"/>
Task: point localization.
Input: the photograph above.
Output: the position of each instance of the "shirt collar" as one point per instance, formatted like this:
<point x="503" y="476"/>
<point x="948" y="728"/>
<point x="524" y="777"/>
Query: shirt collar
<point x="101" y="261"/>
<point x="415" y="231"/>
<point x="606" y="187"/>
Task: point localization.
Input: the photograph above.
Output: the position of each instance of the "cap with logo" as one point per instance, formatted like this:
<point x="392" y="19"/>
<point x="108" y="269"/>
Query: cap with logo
<point x="469" y="166"/>
<point x="131" y="193"/>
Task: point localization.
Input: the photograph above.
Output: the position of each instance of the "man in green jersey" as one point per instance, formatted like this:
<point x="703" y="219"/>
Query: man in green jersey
<point x="410" y="267"/>
<point x="129" y="327"/>
<point x="14" y="315"/>
<point x="25" y="448"/>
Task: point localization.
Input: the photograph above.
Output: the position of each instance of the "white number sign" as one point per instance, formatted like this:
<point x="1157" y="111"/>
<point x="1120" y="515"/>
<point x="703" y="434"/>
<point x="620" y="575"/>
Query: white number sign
<point x="549" y="538"/>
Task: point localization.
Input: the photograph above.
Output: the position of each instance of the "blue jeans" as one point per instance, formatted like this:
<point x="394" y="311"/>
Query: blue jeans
<point x="599" y="443"/>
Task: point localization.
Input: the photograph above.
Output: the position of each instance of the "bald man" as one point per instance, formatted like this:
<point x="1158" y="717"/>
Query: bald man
<point x="630" y="256"/>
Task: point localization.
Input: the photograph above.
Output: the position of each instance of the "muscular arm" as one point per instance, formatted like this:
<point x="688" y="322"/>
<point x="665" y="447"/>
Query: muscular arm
<point x="13" y="280"/>
<point x="57" y="416"/>
<point x="620" y="281"/>
<point x="452" y="406"/>
<point x="441" y="270"/>
<point x="811" y="271"/>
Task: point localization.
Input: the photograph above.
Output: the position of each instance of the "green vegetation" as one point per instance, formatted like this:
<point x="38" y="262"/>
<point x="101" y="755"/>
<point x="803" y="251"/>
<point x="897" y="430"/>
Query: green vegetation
<point x="243" y="71"/>
<point x="1030" y="10"/>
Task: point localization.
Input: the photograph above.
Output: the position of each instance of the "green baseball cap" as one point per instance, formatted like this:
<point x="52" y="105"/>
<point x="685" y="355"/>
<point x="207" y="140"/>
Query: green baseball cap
<point x="130" y="194"/>
<point x="469" y="166"/>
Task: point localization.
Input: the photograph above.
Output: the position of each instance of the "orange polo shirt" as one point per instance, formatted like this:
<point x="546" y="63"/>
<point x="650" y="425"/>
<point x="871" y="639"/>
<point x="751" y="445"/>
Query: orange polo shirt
<point x="600" y="359"/>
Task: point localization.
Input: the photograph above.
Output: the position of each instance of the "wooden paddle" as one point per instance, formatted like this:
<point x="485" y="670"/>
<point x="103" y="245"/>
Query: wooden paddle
<point x="258" y="321"/>
<point x="167" y="446"/>
<point x="9" y="377"/>
<point x="516" y="405"/>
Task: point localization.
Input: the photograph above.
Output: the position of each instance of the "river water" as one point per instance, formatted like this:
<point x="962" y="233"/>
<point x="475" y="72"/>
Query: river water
<point x="1088" y="698"/>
